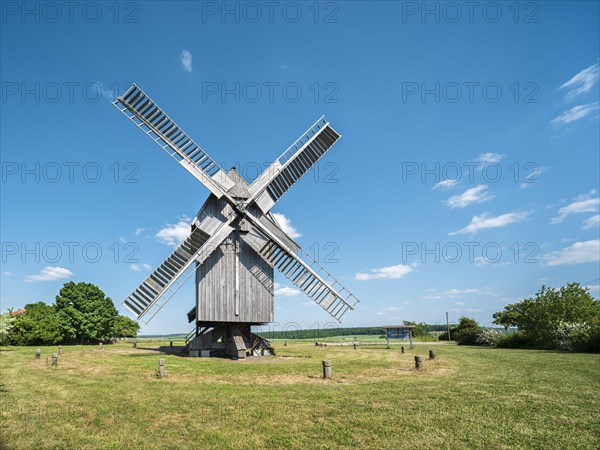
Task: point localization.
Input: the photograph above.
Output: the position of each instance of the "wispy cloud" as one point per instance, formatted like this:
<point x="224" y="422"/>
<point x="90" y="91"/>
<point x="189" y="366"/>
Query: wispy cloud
<point x="485" y="221"/>
<point x="477" y="194"/>
<point x="489" y="158"/>
<point x="384" y="273"/>
<point x="591" y="222"/>
<point x="138" y="267"/>
<point x="445" y="184"/>
<point x="575" y="113"/>
<point x="286" y="225"/>
<point x="49" y="273"/>
<point x="186" y="60"/>
<point x="174" y="234"/>
<point x="139" y="231"/>
<point x="285" y="291"/>
<point x="577" y="253"/>
<point x="434" y="294"/>
<point x="581" y="83"/>
<point x="7" y="273"/>
<point x="580" y="205"/>
<point x="532" y="177"/>
<point x="388" y="310"/>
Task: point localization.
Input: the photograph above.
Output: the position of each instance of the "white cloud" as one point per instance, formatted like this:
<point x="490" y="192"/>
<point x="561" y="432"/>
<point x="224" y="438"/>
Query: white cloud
<point x="575" y="113"/>
<point x="139" y="267"/>
<point x="8" y="274"/>
<point x="594" y="288"/>
<point x="186" y="60"/>
<point x="577" y="253"/>
<point x="445" y="184"/>
<point x="174" y="234"/>
<point x="484" y="221"/>
<point x="385" y="273"/>
<point x="577" y="207"/>
<point x="139" y="231"/>
<point x="581" y="83"/>
<point x="489" y="158"/>
<point x="286" y="225"/>
<point x="49" y="273"/>
<point x="455" y="292"/>
<point x="285" y="291"/>
<point x="532" y="177"/>
<point x="591" y="222"/>
<point x="477" y="194"/>
<point x="460" y="303"/>
<point x="451" y="293"/>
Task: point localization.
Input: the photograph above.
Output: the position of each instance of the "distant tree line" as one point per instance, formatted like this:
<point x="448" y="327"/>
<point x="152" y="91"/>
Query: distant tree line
<point x="81" y="314"/>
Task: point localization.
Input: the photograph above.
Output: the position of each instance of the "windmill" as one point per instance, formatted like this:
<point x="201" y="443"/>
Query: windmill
<point x="235" y="243"/>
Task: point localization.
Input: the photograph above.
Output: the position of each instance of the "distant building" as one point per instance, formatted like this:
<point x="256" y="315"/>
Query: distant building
<point x="17" y="312"/>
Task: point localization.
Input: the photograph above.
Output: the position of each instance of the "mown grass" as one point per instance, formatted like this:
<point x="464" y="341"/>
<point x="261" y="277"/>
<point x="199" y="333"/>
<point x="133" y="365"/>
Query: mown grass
<point x="467" y="397"/>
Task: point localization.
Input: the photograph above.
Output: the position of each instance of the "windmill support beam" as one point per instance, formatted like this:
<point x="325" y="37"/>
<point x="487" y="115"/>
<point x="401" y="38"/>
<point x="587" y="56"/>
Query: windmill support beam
<point x="233" y="339"/>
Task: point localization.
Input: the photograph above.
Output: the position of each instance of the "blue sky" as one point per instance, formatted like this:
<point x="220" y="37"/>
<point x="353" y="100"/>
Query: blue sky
<point x="467" y="175"/>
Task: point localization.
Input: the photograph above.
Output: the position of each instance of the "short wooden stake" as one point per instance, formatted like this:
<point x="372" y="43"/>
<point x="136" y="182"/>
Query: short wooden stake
<point x="403" y="350"/>
<point x="54" y="359"/>
<point x="134" y="344"/>
<point x="431" y="354"/>
<point x="38" y="354"/>
<point x="285" y="343"/>
<point x="327" y="370"/>
<point x="418" y="362"/>
<point x="101" y="346"/>
<point x="161" y="368"/>
<point x="171" y="344"/>
<point x="355" y="346"/>
<point x="60" y="349"/>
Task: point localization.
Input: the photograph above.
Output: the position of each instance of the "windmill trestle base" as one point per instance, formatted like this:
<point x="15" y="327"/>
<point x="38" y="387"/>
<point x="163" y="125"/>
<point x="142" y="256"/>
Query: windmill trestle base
<point x="232" y="339"/>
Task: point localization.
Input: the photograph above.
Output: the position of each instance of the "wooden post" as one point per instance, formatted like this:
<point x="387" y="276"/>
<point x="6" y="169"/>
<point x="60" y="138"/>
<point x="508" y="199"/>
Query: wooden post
<point x="101" y="346"/>
<point x="161" y="368"/>
<point x="448" y="326"/>
<point x="285" y="343"/>
<point x="431" y="354"/>
<point x="387" y="338"/>
<point x="355" y="346"/>
<point x="38" y="354"/>
<point x="54" y="359"/>
<point x="171" y="344"/>
<point x="402" y="349"/>
<point x="410" y="338"/>
<point x="60" y="349"/>
<point x="134" y="344"/>
<point x="418" y="362"/>
<point x="326" y="370"/>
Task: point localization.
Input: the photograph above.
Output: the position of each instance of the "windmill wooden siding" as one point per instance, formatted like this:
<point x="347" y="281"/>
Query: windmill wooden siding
<point x="216" y="277"/>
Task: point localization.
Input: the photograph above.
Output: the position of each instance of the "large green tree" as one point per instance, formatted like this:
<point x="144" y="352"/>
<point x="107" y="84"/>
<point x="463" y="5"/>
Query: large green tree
<point x="38" y="325"/>
<point x="86" y="314"/>
<point x="542" y="318"/>
<point x="125" y="327"/>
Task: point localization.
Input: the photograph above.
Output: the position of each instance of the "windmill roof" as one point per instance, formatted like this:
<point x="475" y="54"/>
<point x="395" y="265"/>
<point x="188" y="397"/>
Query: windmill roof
<point x="240" y="189"/>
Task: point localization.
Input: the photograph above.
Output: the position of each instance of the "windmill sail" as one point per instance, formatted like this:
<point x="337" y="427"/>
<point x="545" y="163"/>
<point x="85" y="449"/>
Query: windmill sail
<point x="174" y="271"/>
<point x="292" y="164"/>
<point x="305" y="273"/>
<point x="142" y="111"/>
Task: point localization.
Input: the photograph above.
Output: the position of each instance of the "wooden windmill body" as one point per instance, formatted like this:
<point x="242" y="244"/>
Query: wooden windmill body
<point x="235" y="243"/>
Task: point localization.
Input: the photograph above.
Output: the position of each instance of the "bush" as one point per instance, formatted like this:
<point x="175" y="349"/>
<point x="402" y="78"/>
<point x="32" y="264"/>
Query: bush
<point x="513" y="340"/>
<point x="489" y="338"/>
<point x="467" y="336"/>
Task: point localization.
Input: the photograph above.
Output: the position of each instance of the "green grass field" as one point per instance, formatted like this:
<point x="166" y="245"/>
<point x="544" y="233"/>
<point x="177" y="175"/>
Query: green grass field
<point x="467" y="397"/>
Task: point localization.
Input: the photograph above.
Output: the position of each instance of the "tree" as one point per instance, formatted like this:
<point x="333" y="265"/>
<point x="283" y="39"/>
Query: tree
<point x="420" y="329"/>
<point x="38" y="325"/>
<point x="465" y="333"/>
<point x="542" y="320"/>
<point x="87" y="315"/>
<point x="125" y="327"/>
<point x="6" y="326"/>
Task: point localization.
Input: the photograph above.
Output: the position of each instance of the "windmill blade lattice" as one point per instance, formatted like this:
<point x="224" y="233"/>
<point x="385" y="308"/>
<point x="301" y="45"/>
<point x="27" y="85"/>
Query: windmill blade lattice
<point x="140" y="109"/>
